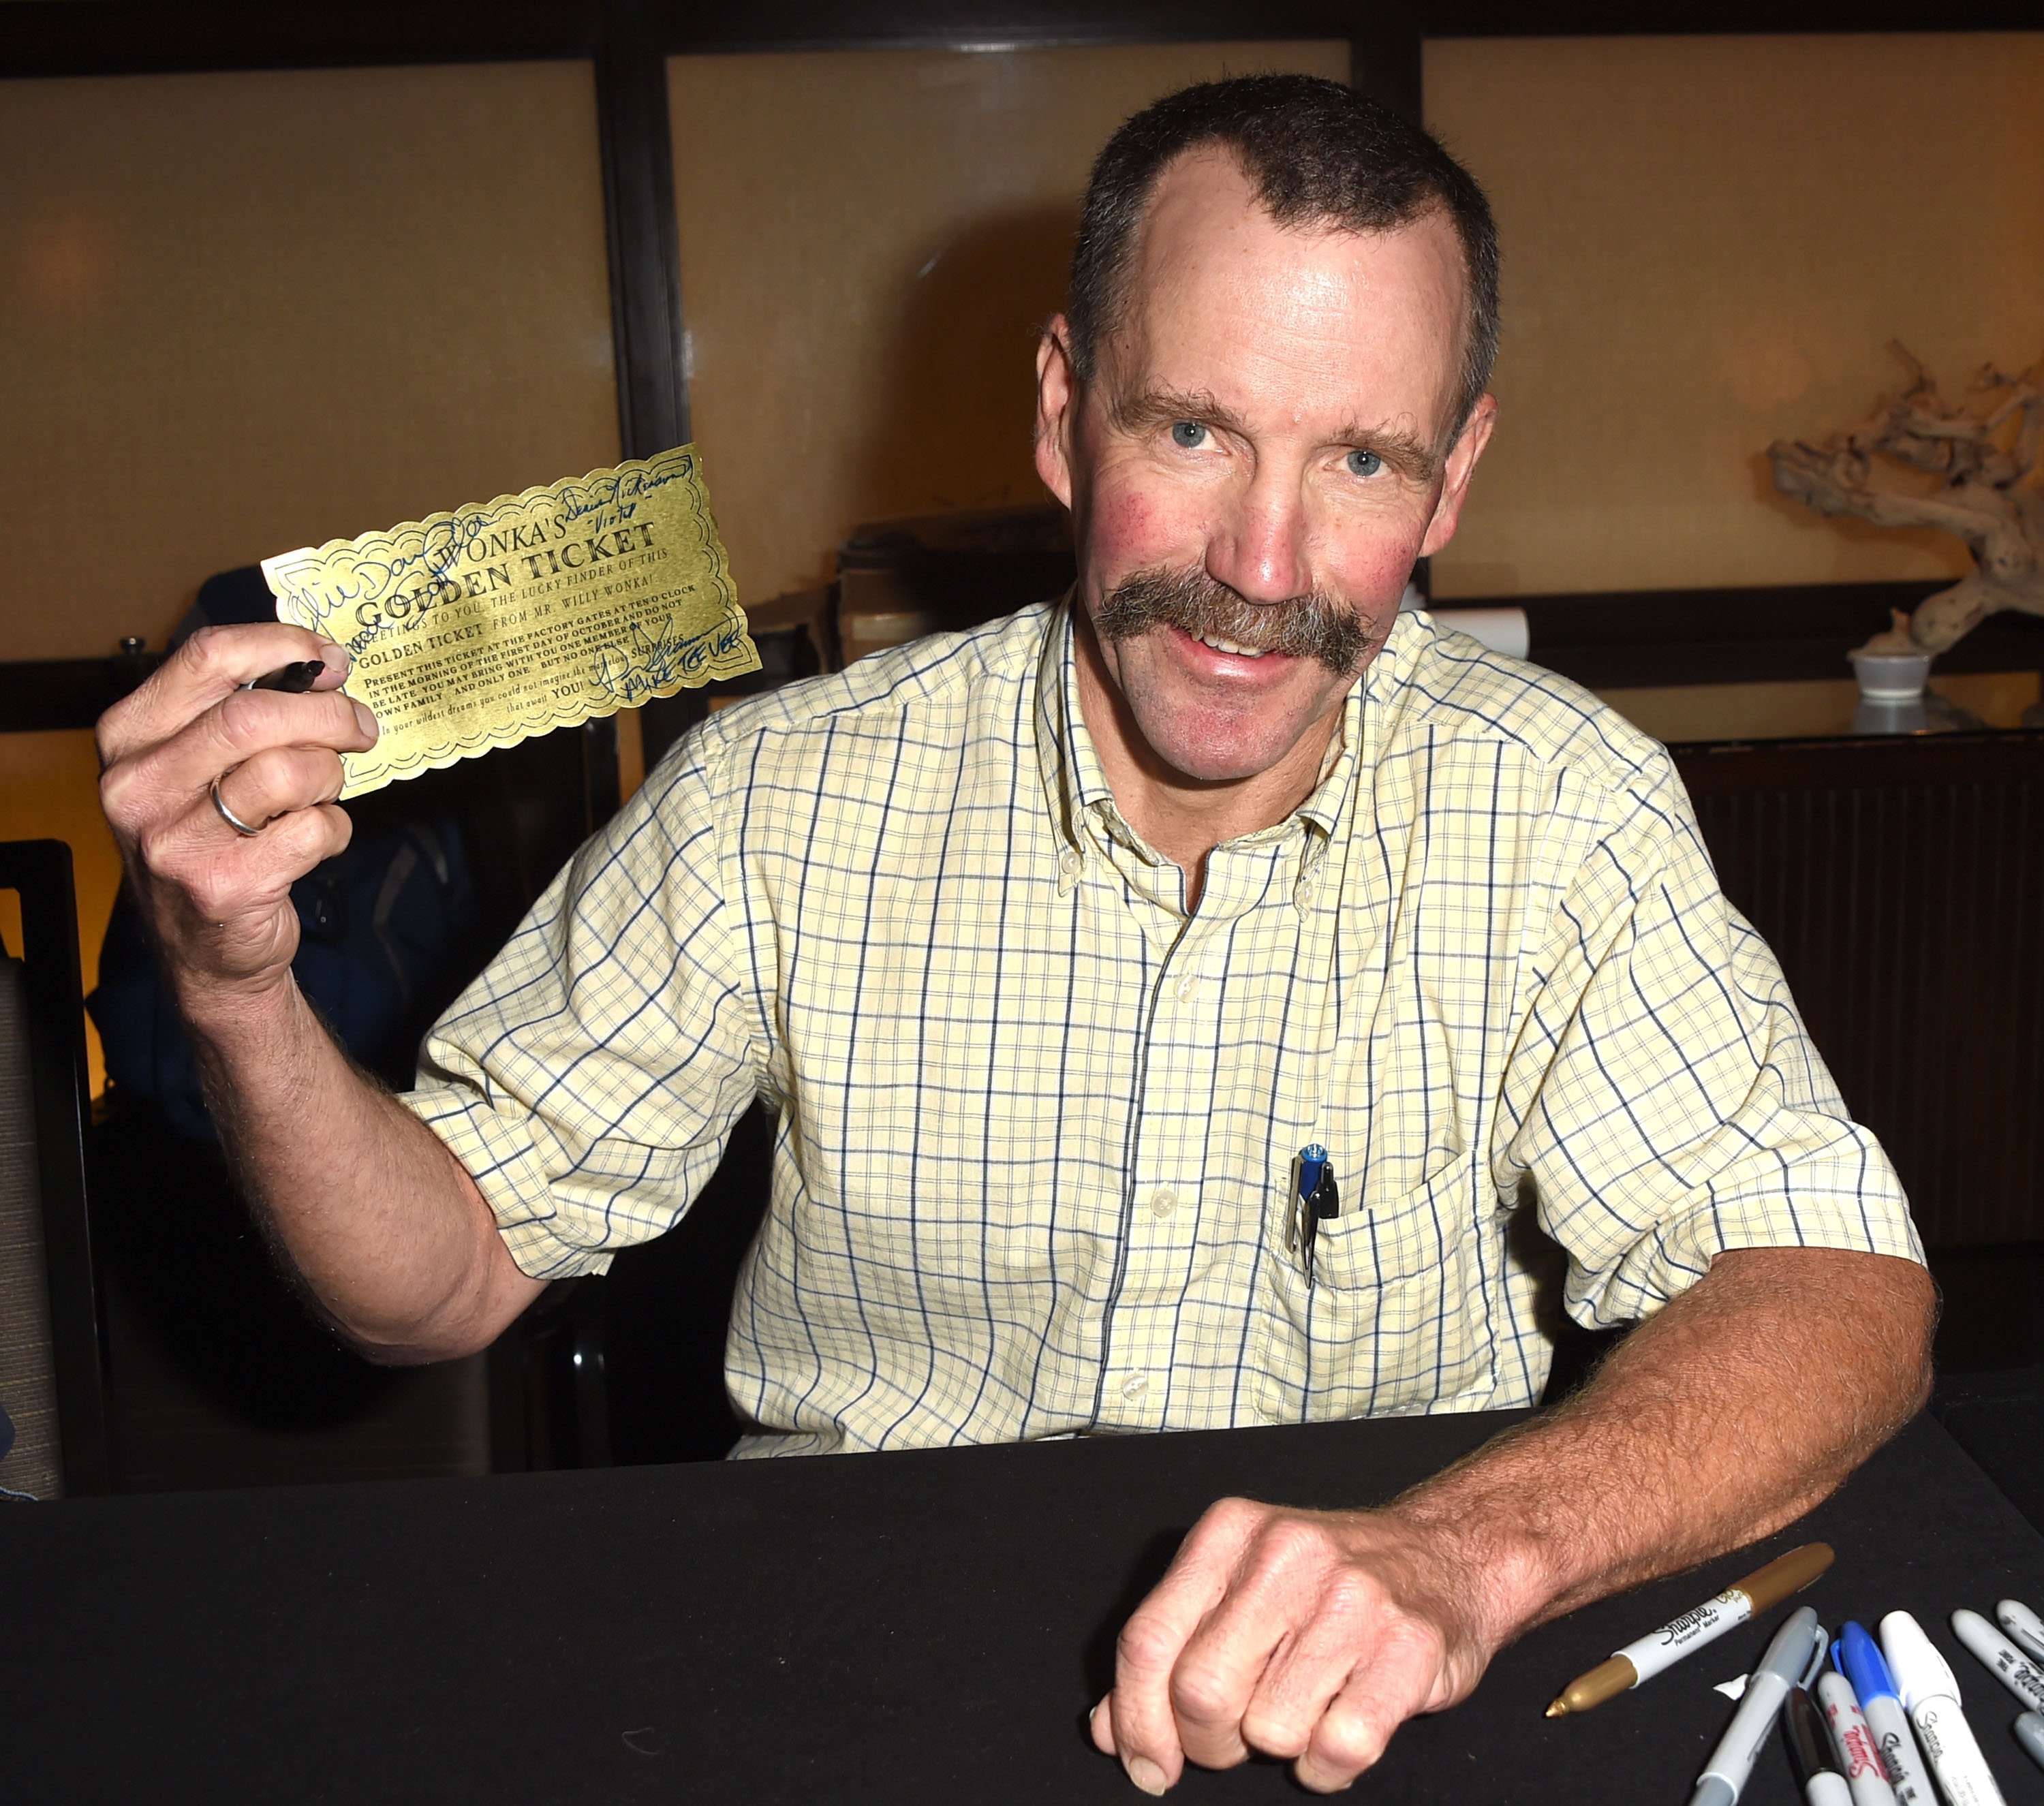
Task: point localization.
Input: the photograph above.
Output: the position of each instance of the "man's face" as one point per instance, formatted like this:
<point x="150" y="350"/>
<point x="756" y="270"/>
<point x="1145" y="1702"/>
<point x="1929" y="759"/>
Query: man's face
<point x="1259" y="463"/>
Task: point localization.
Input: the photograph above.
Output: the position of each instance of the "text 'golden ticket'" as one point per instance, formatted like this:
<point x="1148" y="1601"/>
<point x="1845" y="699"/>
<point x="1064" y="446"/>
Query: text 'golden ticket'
<point x="474" y="629"/>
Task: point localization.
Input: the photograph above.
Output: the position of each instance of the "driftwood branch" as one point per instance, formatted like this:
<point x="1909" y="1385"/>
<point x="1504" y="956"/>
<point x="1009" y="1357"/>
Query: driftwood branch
<point x="1983" y="495"/>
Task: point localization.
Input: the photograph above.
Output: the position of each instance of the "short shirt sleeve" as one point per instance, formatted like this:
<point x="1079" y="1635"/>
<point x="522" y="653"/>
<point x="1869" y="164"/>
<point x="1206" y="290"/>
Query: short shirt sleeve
<point x="1669" y="1103"/>
<point x="590" y="1078"/>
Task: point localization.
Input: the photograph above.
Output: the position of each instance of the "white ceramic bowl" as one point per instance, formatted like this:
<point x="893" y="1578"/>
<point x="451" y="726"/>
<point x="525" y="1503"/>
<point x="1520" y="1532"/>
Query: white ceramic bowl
<point x="1890" y="677"/>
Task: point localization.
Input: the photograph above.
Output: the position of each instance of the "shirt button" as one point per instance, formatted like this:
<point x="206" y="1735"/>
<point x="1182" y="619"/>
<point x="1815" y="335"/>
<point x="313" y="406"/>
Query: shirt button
<point x="1302" y="893"/>
<point x="1134" y="1387"/>
<point x="1163" y="1201"/>
<point x="1188" y="988"/>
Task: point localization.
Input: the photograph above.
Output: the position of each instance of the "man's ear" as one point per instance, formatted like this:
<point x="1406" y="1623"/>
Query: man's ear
<point x="1462" y="455"/>
<point x="1057" y="409"/>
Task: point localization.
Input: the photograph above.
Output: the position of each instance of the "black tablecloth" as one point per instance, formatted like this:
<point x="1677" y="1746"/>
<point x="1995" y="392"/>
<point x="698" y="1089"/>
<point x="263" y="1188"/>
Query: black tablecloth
<point x="909" y="1627"/>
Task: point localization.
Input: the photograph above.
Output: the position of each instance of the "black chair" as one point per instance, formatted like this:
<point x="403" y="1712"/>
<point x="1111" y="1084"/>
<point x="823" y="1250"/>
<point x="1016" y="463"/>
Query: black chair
<point x="666" y="1311"/>
<point x="53" y="1360"/>
<point x="629" y="1368"/>
<point x="1990" y="1390"/>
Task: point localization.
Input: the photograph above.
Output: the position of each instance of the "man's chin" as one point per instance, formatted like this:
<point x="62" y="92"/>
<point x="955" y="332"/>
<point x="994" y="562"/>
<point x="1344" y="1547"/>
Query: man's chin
<point x="1220" y="758"/>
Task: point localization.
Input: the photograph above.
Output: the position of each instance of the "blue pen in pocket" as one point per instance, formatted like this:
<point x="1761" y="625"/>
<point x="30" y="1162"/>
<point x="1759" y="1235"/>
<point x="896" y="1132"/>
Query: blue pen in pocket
<point x="1318" y="1199"/>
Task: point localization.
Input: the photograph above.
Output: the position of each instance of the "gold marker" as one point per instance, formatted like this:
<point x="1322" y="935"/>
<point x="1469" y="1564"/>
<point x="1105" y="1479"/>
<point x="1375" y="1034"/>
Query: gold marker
<point x="1759" y="1591"/>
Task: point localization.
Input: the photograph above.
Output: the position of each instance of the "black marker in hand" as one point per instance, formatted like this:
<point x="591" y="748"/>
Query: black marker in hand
<point x="293" y="679"/>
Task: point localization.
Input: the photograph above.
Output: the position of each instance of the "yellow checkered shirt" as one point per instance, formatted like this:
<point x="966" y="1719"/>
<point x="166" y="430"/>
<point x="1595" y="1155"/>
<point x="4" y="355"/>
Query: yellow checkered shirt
<point x="1037" y="1124"/>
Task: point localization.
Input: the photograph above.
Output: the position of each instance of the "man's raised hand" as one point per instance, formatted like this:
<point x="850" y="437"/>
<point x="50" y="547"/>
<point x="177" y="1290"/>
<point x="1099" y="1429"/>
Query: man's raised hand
<point x="1307" y="1636"/>
<point x="217" y="900"/>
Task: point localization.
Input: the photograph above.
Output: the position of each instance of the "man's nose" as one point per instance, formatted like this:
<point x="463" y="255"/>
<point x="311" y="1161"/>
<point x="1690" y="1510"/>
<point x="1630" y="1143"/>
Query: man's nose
<point x="1259" y="549"/>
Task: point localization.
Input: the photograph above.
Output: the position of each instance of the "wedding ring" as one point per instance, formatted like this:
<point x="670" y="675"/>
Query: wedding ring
<point x="227" y="815"/>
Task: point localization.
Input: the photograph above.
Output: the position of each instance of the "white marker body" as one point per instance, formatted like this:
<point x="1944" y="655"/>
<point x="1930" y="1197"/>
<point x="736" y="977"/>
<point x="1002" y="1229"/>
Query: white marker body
<point x="2024" y="1626"/>
<point x="1899" y="1757"/>
<point x="1663" y="1648"/>
<point x="2011" y="1666"/>
<point x="1924" y="1680"/>
<point x="1955" y="1755"/>
<point x="1859" y="1755"/>
<point x="1826" y="1789"/>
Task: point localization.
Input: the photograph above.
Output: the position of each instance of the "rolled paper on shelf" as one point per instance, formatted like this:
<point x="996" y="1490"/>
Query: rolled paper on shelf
<point x="1502" y="630"/>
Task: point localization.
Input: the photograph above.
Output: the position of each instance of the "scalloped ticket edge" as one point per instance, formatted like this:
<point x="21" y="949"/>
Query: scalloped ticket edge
<point x="479" y="627"/>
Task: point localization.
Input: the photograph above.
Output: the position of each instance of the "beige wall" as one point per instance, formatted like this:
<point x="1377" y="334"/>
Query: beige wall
<point x="263" y="309"/>
<point x="243" y="312"/>
<point x="1708" y="243"/>
<point x="870" y="240"/>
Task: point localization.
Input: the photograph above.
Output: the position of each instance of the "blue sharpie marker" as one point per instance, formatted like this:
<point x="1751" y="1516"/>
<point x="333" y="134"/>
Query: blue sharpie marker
<point x="1859" y="1658"/>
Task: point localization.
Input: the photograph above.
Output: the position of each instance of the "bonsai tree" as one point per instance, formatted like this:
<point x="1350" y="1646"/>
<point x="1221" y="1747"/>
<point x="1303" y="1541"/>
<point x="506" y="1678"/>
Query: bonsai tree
<point x="1982" y="453"/>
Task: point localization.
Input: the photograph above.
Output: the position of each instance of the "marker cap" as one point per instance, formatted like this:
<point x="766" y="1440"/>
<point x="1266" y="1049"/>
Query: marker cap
<point x="1312" y="1164"/>
<point x="1786" y="1575"/>
<point x="2030" y="1733"/>
<point x="1803" y="1726"/>
<point x="1920" y="1672"/>
<point x="1863" y="1663"/>
<point x="2023" y="1625"/>
<point x="1978" y="1635"/>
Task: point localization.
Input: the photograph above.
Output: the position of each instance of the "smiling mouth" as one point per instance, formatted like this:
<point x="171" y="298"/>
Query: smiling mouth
<point x="1231" y="647"/>
<point x="1204" y="609"/>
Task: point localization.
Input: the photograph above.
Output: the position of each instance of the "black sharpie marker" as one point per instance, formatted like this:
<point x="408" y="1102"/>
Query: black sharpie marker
<point x="292" y="680"/>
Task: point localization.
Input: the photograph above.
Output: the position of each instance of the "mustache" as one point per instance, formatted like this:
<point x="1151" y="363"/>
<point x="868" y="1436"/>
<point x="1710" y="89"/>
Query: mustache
<point x="1311" y="626"/>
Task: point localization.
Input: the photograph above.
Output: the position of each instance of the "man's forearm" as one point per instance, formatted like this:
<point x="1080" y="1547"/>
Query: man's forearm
<point x="1735" y="1410"/>
<point x="378" y="1218"/>
<point x="1312" y="1635"/>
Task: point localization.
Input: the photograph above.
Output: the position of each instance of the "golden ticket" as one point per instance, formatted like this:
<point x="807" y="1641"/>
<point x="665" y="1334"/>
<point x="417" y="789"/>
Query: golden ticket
<point x="474" y="629"/>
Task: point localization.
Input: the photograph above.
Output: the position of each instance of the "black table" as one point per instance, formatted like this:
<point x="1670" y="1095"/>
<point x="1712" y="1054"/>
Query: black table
<point x="927" y="1626"/>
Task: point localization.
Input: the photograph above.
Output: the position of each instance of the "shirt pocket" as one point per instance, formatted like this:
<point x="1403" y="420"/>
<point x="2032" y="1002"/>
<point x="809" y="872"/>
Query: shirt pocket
<point x="1397" y="1320"/>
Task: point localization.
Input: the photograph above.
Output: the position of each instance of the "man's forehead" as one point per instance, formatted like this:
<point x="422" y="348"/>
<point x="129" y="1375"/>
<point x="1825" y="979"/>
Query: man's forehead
<point x="1220" y="296"/>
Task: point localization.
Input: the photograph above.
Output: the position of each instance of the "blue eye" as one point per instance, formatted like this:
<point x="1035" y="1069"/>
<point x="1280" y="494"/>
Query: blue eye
<point x="1188" y="434"/>
<point x="1362" y="463"/>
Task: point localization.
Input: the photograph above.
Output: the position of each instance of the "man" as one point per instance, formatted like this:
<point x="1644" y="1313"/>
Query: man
<point x="1055" y="944"/>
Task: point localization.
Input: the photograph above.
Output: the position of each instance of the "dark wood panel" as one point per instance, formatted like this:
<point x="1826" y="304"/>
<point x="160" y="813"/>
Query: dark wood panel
<point x="733" y="25"/>
<point x="1767" y="633"/>
<point x="1903" y="887"/>
<point x="645" y="252"/>
<point x="1733" y="768"/>
<point x="1386" y="54"/>
<point x="71" y="37"/>
<point x="45" y="695"/>
<point x="1626" y="18"/>
<point x="647" y="328"/>
<point x="110" y="38"/>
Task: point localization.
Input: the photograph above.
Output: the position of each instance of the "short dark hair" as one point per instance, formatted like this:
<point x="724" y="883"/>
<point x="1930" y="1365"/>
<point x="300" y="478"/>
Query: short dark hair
<point x="1318" y="153"/>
